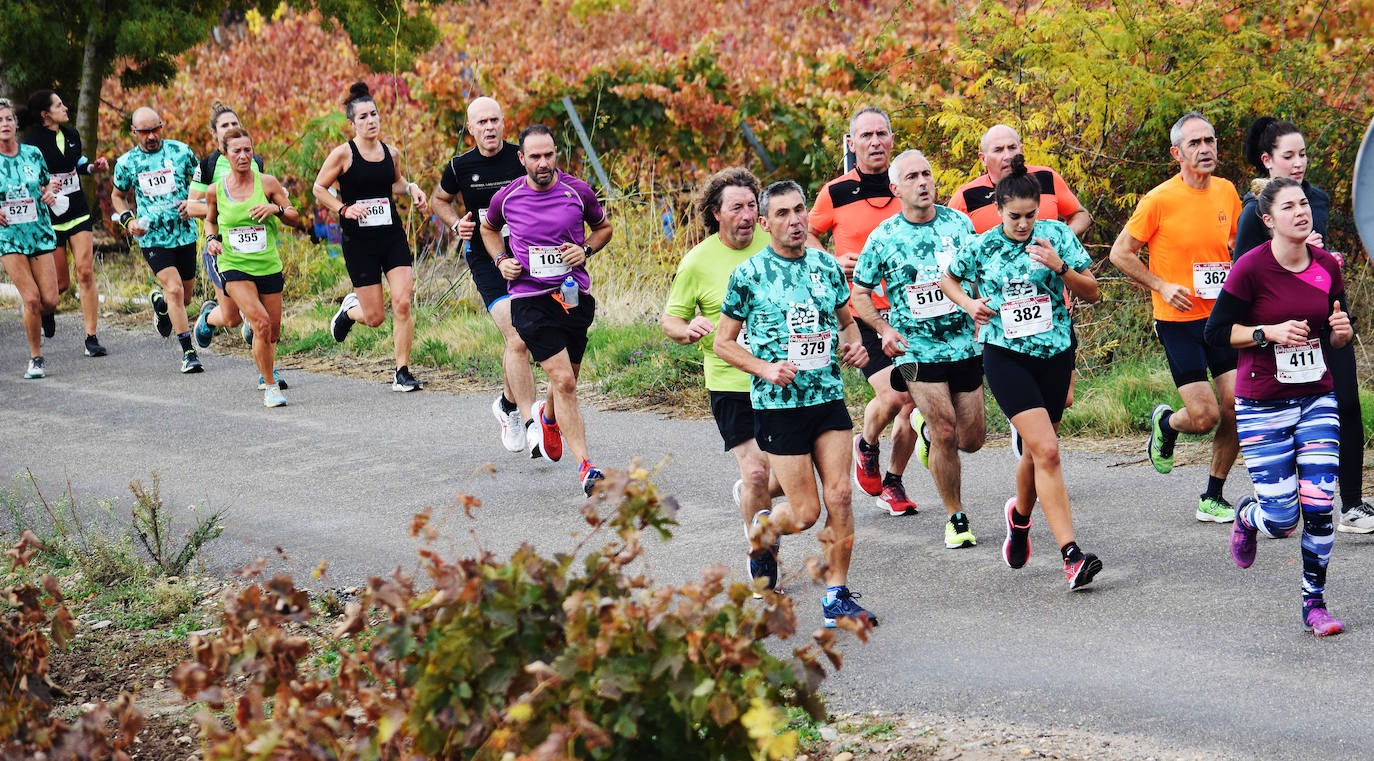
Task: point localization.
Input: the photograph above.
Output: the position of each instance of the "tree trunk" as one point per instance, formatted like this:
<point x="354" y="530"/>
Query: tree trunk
<point x="88" y="100"/>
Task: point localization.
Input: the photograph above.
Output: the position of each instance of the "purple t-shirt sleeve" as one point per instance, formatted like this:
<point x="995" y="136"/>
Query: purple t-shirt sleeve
<point x="592" y="213"/>
<point x="496" y="213"/>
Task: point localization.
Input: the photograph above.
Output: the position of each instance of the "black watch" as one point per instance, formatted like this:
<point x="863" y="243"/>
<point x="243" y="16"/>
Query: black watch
<point x="1064" y="269"/>
<point x="1258" y="335"/>
<point x="587" y="251"/>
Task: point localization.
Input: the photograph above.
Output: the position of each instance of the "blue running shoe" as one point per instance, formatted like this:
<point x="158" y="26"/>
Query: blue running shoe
<point x="247" y="332"/>
<point x="276" y="376"/>
<point x="763" y="563"/>
<point x="204" y="330"/>
<point x="845" y="607"/>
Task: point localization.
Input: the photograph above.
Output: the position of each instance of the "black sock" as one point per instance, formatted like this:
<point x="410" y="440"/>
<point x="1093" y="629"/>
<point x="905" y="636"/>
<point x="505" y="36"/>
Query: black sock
<point x="1167" y="429"/>
<point x="506" y="404"/>
<point x="185" y="339"/>
<point x="1071" y="552"/>
<point x="89" y="336"/>
<point x="1214" y="487"/>
<point x="892" y="479"/>
<point x="864" y="446"/>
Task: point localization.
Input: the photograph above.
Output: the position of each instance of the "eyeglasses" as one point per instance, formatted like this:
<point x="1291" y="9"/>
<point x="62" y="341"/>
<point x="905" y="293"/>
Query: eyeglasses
<point x="149" y="131"/>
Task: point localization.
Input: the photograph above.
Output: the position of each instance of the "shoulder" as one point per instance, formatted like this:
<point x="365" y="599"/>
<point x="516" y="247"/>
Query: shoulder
<point x="837" y="186"/>
<point x="30" y="152"/>
<point x="1054" y="228"/>
<point x="948" y="216"/>
<point x="576" y="184"/>
<point x="1252" y="261"/>
<point x="34" y="136"/>
<point x="1315" y="194"/>
<point x="1224" y="188"/>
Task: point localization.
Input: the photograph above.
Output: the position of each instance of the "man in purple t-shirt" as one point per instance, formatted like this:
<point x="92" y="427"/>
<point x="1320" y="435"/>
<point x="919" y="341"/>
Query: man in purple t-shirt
<point x="546" y="212"/>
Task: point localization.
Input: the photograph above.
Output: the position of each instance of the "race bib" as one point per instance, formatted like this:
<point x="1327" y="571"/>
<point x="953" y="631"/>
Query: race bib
<point x="1299" y="364"/>
<point x="1026" y="317"/>
<point x="376" y="212"/>
<point x="743" y="339"/>
<point x="927" y="300"/>
<point x="67" y="182"/>
<point x="482" y="219"/>
<point x="547" y="262"/>
<point x="809" y="351"/>
<point x="1208" y="277"/>
<point x="20" y="209"/>
<point x="250" y="239"/>
<point x="159" y="182"/>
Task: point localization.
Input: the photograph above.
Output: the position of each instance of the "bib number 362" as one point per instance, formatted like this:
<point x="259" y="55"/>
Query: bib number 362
<point x="1299" y="364"/>
<point x="1209" y="277"/>
<point x="809" y="351"/>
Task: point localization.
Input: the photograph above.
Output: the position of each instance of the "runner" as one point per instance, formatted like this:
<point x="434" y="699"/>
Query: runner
<point x="790" y="299"/>
<point x="1021" y="269"/>
<point x="927" y="335"/>
<point x="727" y="202"/>
<point x="1277" y="149"/>
<point x="242" y="236"/>
<point x="1281" y="306"/>
<point x="368" y="172"/>
<point x="849" y="207"/>
<point x="156" y="175"/>
<point x="1189" y="223"/>
<point x="475" y="176"/>
<point x="26" y="234"/>
<point x="45" y="120"/>
<point x="551" y="301"/>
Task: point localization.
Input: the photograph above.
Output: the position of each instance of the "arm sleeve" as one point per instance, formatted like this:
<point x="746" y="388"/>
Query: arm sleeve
<point x="961" y="267"/>
<point x="448" y="181"/>
<point x="121" y="178"/>
<point x="837" y="282"/>
<point x="1226" y="312"/>
<point x="1250" y="230"/>
<point x="1066" y="203"/>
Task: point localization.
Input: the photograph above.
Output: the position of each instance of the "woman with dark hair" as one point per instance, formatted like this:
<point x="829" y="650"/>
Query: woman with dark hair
<point x="368" y="173"/>
<point x="1281" y="309"/>
<point x="1277" y="149"/>
<point x="1020" y="269"/>
<point x="44" y="122"/>
<point x="26" y="236"/>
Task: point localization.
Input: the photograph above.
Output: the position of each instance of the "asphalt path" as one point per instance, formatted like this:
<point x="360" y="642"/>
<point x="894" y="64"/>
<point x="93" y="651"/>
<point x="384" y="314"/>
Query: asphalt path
<point x="1172" y="642"/>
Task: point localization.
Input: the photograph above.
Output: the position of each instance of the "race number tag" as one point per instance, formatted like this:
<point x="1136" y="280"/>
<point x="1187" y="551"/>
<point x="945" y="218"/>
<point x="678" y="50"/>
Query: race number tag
<point x="547" y="261"/>
<point x="20" y="208"/>
<point x="159" y="182"/>
<point x="376" y="212"/>
<point x="482" y="220"/>
<point x="250" y="239"/>
<point x="809" y="351"/>
<point x="743" y="339"/>
<point x="1026" y="317"/>
<point x="1208" y="277"/>
<point x="67" y="182"/>
<point x="1299" y="364"/>
<point x="927" y="300"/>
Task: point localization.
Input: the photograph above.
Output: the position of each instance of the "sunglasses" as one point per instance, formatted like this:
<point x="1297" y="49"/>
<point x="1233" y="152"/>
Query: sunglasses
<point x="149" y="131"/>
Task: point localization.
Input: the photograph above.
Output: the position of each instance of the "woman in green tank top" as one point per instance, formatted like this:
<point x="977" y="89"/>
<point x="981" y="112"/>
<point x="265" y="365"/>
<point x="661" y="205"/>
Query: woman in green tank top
<point x="241" y="232"/>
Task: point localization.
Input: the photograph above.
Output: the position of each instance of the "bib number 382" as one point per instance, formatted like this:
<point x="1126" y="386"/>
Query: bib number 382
<point x="1026" y="317"/>
<point x="809" y="351"/>
<point x="1299" y="364"/>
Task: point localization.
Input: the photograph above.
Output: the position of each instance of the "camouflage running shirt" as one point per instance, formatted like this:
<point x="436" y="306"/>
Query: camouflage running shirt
<point x="160" y="180"/>
<point x="22" y="177"/>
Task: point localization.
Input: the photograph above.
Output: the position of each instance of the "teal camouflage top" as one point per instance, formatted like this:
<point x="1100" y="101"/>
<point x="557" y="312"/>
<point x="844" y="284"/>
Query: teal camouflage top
<point x="788" y="309"/>
<point x="912" y="258"/>
<point x="22" y="178"/>
<point x="161" y="180"/>
<point x="1028" y="299"/>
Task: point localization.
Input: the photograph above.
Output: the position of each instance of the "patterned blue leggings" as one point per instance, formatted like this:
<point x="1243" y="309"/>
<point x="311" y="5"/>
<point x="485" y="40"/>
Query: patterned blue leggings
<point x="1292" y="450"/>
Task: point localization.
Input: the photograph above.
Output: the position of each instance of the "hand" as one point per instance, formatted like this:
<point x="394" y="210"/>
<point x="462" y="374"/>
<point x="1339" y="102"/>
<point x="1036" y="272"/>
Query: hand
<point x="1339" y="257"/>
<point x="49" y="196"/>
<point x="262" y="211"/>
<point x="847" y="262"/>
<point x="4" y="220"/>
<point x="1314" y="238"/>
<point x="854" y="355"/>
<point x="101" y="164"/>
<point x="781" y="373"/>
<point x="352" y="211"/>
<point x="1041" y="251"/>
<point x="214" y="247"/>
<point x="1340" y="325"/>
<point x="980" y="311"/>
<point x="510" y="268"/>
<point x="1177" y="296"/>
<point x="135" y="229"/>
<point x="421" y="200"/>
<point x="894" y="345"/>
<point x="466" y="227"/>
<point x="184" y="209"/>
<point x="699" y="328"/>
<point x="573" y="254"/>
<point x="1291" y="333"/>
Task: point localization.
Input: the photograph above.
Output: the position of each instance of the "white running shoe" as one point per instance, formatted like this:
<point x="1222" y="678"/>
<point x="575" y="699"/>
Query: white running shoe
<point x="512" y="432"/>
<point x="1357" y="520"/>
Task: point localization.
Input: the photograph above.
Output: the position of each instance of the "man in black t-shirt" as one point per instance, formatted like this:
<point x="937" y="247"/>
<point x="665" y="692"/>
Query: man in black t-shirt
<point x="475" y="176"/>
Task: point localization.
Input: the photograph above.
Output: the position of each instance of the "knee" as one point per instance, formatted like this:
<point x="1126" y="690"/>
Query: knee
<point x="1045" y="456"/>
<point x="839" y="499"/>
<point x="892" y="401"/>
<point x="941" y="432"/>
<point x="401" y="309"/>
<point x="1205" y="418"/>
<point x="807" y="516"/>
<point x="515" y="345"/>
<point x="563" y="383"/>
<point x="755" y="475"/>
<point x="85" y="272"/>
<point x="174" y="293"/>
<point x="33" y="303"/>
<point x="972" y="440"/>
<point x="373" y="316"/>
<point x="47" y="304"/>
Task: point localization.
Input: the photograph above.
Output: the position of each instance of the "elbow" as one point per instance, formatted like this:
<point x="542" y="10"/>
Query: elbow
<point x="1216" y="333"/>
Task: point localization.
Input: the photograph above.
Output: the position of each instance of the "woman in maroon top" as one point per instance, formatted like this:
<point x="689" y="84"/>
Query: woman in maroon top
<point x="1281" y="308"/>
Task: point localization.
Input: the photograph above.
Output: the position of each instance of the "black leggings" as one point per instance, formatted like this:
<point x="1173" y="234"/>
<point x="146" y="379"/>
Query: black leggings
<point x="1341" y="363"/>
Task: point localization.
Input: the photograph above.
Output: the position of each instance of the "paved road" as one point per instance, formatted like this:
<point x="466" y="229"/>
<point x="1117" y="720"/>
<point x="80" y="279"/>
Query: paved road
<point x="1172" y="642"/>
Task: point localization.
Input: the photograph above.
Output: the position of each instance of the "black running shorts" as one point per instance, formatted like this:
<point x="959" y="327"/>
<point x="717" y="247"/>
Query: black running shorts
<point x="794" y="431"/>
<point x="547" y="328"/>
<point x="734" y="416"/>
<point x="367" y="260"/>
<point x="962" y="376"/>
<point x="1190" y="356"/>
<point x="64" y="235"/>
<point x="873" y="344"/>
<point x="267" y="284"/>
<point x="1020" y="382"/>
<point x="491" y="286"/>
<point x="181" y="257"/>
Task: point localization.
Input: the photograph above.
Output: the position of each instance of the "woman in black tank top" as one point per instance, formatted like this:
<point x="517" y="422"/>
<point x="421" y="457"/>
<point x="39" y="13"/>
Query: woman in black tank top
<point x="374" y="244"/>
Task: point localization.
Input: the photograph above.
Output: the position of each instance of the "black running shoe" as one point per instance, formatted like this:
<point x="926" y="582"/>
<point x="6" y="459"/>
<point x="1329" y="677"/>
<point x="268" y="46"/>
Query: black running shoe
<point x="190" y="363"/>
<point x="93" y="347"/>
<point x="160" y="316"/>
<point x="342" y="323"/>
<point x="49" y="325"/>
<point x="404" y="381"/>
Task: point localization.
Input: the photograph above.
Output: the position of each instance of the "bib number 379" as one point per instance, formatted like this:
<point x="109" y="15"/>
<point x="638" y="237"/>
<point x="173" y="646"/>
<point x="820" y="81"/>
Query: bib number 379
<point x="809" y="351"/>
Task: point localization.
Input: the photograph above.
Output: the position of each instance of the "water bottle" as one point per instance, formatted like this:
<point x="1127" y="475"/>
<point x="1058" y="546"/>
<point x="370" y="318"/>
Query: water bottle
<point x="569" y="291"/>
<point x="60" y="205"/>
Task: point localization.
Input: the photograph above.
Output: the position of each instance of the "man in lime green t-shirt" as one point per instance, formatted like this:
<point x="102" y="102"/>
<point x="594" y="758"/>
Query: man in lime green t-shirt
<point x="728" y="204"/>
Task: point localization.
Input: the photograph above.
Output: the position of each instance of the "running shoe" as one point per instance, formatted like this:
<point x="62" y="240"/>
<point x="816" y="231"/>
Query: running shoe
<point x="1215" y="509"/>
<point x="957" y="532"/>
<point x="512" y="433"/>
<point x="737" y="492"/>
<point x="1315" y="619"/>
<point x="35" y="369"/>
<point x="1242" y="537"/>
<point x="763" y="562"/>
<point x="534" y="438"/>
<point x="1080" y="574"/>
<point x="1016" y="550"/>
<point x="190" y="363"/>
<point x="246" y="332"/>
<point x="1161" y="447"/>
<point x="204" y="330"/>
<point x="918" y="424"/>
<point x="866" y="469"/>
<point x="276" y="376"/>
<point x="894" y="500"/>
<point x="1357" y="520"/>
<point x="342" y="323"/>
<point x="590" y="477"/>
<point x="272" y="397"/>
<point x="160" y="318"/>
<point x="845" y="607"/>
<point x="1016" y="445"/>
<point x="93" y="347"/>
<point x="49" y="320"/>
<point x="404" y="380"/>
<point x="550" y="438"/>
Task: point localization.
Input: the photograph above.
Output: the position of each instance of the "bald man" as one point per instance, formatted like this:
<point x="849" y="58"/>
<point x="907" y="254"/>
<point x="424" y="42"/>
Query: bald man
<point x="476" y="176"/>
<point x="999" y="146"/>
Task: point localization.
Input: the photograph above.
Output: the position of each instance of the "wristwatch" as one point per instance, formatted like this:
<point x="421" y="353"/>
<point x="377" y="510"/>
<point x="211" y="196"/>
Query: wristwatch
<point x="1063" y="269"/>
<point x="1258" y="335"/>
